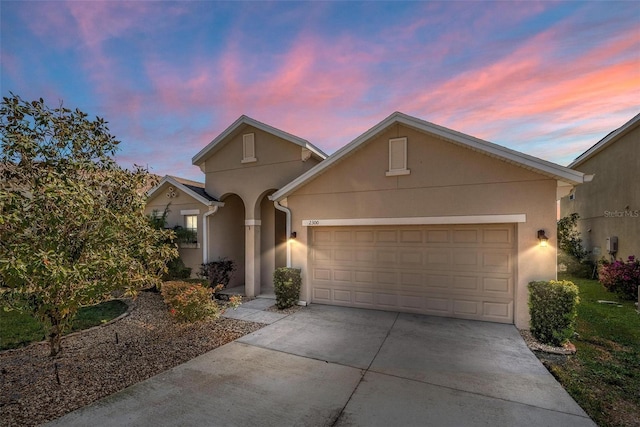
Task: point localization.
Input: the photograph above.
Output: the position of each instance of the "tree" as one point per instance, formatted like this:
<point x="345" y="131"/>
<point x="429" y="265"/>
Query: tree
<point x="72" y="224"/>
<point x="569" y="240"/>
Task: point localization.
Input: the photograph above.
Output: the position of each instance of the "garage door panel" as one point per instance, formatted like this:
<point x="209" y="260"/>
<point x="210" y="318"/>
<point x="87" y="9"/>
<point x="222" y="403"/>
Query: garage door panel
<point x="322" y="274"/>
<point x="364" y="236"/>
<point x="440" y="259"/>
<point x="499" y="235"/>
<point x="437" y="236"/>
<point x="457" y="271"/>
<point x="465" y="283"/>
<point x="501" y="285"/>
<point x="342" y="275"/>
<point x="466" y="307"/>
<point x="410" y="236"/>
<point x="465" y="236"/>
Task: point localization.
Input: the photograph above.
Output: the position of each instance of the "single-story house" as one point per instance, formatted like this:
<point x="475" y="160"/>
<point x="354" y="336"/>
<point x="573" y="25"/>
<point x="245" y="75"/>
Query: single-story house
<point x="409" y="216"/>
<point x="609" y="207"/>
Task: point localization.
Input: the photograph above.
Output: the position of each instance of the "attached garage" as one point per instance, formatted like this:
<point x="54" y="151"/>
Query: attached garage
<point x="414" y="217"/>
<point x="464" y="271"/>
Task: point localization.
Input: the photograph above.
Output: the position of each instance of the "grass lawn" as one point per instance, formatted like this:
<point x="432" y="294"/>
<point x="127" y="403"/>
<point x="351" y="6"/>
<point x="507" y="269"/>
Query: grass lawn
<point x="604" y="375"/>
<point x="21" y="329"/>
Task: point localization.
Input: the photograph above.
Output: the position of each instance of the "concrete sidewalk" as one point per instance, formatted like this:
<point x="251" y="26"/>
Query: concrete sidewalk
<point x="326" y="366"/>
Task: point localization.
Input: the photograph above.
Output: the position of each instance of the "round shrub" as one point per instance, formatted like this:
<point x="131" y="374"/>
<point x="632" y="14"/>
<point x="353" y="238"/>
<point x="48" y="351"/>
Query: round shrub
<point x="286" y="283"/>
<point x="553" y="306"/>
<point x="189" y="302"/>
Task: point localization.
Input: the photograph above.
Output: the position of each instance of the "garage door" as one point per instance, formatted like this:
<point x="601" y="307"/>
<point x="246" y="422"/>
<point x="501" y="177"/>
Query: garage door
<point x="464" y="271"/>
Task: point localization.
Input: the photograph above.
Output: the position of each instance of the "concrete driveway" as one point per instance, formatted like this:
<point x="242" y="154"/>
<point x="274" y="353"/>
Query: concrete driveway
<point x="334" y="366"/>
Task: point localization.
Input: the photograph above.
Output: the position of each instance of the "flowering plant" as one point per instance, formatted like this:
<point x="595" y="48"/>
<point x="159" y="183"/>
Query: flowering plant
<point x="621" y="277"/>
<point x="189" y="302"/>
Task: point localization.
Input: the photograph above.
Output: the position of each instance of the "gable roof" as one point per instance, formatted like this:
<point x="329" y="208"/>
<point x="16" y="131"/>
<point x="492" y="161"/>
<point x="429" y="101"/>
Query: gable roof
<point x="562" y="174"/>
<point x="606" y="141"/>
<point x="192" y="188"/>
<point x="245" y="120"/>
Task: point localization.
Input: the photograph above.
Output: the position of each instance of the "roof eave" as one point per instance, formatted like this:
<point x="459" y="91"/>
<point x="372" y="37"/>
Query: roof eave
<point x="245" y="120"/>
<point x="606" y="141"/>
<point x="535" y="164"/>
<point x="187" y="190"/>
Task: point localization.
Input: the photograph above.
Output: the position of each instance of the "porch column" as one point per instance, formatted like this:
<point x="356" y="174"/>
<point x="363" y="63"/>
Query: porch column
<point x="252" y="257"/>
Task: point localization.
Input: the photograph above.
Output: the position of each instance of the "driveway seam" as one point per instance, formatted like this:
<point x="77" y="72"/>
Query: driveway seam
<point x="364" y="372"/>
<point x="474" y="393"/>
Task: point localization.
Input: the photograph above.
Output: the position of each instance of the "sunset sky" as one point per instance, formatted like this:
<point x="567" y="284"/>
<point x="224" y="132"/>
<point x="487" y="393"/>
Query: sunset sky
<point x="546" y="78"/>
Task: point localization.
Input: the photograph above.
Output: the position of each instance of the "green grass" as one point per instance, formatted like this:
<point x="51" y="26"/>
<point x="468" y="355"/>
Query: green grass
<point x="18" y="329"/>
<point x="604" y="375"/>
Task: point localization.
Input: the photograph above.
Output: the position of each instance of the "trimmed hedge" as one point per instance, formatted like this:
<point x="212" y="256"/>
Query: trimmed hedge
<point x="553" y="306"/>
<point x="286" y="283"/>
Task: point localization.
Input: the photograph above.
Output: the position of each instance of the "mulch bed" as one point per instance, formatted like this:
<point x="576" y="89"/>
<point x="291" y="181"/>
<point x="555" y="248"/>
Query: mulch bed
<point x="35" y="388"/>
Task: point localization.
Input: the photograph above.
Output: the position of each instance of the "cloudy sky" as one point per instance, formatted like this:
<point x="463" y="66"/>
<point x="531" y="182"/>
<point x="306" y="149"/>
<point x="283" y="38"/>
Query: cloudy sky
<point x="546" y="78"/>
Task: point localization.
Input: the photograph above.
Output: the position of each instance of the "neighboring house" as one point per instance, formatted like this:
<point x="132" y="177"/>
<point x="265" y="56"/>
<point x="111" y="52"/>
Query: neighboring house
<point x="610" y="205"/>
<point x="409" y="216"/>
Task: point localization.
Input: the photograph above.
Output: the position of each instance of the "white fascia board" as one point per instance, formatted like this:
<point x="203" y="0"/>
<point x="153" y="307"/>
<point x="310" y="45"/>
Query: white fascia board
<point x="520" y="159"/>
<point x="604" y="142"/>
<point x="427" y="220"/>
<point x="187" y="190"/>
<point x="245" y="120"/>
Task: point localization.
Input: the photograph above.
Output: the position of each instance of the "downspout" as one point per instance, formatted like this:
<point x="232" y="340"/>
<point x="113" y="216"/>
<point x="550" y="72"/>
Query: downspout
<point x="287" y="211"/>
<point x="205" y="234"/>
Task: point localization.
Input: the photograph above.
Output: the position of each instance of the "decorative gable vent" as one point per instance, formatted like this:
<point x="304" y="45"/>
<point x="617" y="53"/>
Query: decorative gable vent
<point x="398" y="157"/>
<point x="172" y="193"/>
<point x="248" y="148"/>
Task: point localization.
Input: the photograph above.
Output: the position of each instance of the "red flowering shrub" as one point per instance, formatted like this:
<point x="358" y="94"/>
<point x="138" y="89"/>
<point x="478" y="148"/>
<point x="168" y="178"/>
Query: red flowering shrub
<point x="621" y="277"/>
<point x="189" y="302"/>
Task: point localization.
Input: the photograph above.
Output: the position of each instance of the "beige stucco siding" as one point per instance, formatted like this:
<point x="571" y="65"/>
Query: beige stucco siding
<point x="278" y="163"/>
<point x="445" y="180"/>
<point x="247" y="229"/>
<point x="192" y="255"/>
<point x="610" y="204"/>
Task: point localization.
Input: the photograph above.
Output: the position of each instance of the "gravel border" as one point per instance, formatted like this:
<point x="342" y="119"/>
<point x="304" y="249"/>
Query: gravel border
<point x="144" y="341"/>
<point x="536" y="345"/>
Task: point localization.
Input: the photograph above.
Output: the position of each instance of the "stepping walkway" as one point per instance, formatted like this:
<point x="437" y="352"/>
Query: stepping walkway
<point x="254" y="311"/>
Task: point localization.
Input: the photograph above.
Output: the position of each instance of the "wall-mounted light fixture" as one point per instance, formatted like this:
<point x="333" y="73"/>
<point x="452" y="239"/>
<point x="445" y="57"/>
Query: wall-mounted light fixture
<point x="293" y="235"/>
<point x="542" y="238"/>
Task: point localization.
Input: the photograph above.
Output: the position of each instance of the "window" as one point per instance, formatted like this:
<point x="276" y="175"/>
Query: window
<point x="248" y="148"/>
<point x="398" y="157"/>
<point x="191" y="228"/>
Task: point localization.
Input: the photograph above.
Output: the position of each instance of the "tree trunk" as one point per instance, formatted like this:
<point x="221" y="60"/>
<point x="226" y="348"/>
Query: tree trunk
<point x="55" y="336"/>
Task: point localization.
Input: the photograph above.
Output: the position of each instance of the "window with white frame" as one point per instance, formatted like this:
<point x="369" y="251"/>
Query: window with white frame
<point x="398" y="157"/>
<point x="191" y="228"/>
<point x="249" y="148"/>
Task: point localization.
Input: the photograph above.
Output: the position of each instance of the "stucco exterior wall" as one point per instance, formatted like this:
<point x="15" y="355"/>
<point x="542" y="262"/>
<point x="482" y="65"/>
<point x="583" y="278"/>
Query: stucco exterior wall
<point x="445" y="180"/>
<point x="192" y="255"/>
<point x="610" y="204"/>
<point x="227" y="236"/>
<point x="278" y="163"/>
<point x="255" y="248"/>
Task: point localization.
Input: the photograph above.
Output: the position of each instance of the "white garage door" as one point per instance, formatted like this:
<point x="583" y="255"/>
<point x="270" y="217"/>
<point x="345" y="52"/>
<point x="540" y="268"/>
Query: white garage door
<point x="464" y="271"/>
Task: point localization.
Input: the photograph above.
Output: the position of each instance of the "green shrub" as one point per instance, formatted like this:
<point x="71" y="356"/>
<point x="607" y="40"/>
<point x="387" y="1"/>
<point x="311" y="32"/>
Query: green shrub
<point x="286" y="283"/>
<point x="176" y="270"/>
<point x="218" y="272"/>
<point x="553" y="308"/>
<point x="189" y="302"/>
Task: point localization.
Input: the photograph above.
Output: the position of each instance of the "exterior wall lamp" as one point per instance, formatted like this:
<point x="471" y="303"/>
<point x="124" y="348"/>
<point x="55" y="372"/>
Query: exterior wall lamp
<point x="293" y="235"/>
<point x="544" y="240"/>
